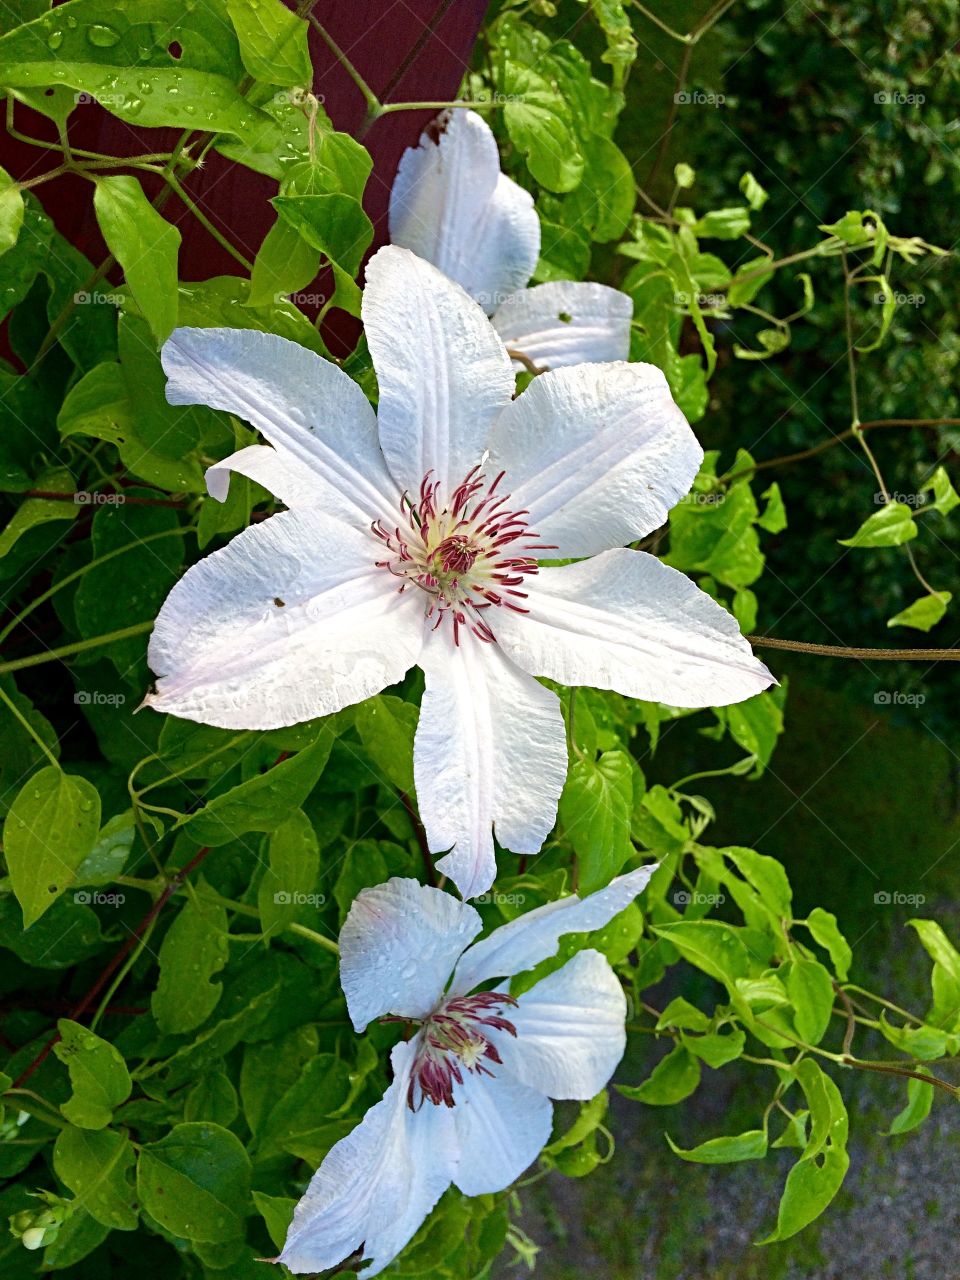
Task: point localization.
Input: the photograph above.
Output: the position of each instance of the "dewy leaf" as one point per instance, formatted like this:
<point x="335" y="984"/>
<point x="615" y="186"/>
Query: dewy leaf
<point x="891" y="526"/>
<point x="273" y="42"/>
<point x="51" y="827"/>
<point x="386" y="726"/>
<point x="96" y="1168"/>
<point x="11" y="211"/>
<point x="538" y="122"/>
<point x="196" y="1182"/>
<point x="751" y="1145"/>
<point x="194" y="949"/>
<point x="338" y="227"/>
<point x="98" y="1075"/>
<point x="152" y="63"/>
<point x="294" y="860"/>
<point x="595" y="809"/>
<point x="144" y="244"/>
<point x="923" y="613"/>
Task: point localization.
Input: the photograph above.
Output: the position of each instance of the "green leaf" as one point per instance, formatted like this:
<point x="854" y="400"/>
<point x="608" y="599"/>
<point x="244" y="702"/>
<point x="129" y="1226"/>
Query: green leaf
<point x="144" y="244"/>
<point x="919" y="1102"/>
<point x="824" y="929"/>
<point x="595" y="810"/>
<point x="810" y="989"/>
<point x="51" y="827"/>
<point x="751" y="1145"/>
<point x="284" y="264"/>
<point x="938" y="946"/>
<point x="98" y="1076"/>
<point x="303" y="1121"/>
<point x="716" y="1049"/>
<point x="154" y="63"/>
<point x="107" y="858"/>
<point x="674" y="1078"/>
<point x="710" y="945"/>
<point x="386" y="726"/>
<point x="774" y="518"/>
<point x="263" y="802"/>
<point x="212" y="1098"/>
<point x="194" y="949"/>
<point x="11" y="211"/>
<point x="945" y="496"/>
<point x="36" y="511"/>
<point x="680" y="1013"/>
<point x="277" y="1213"/>
<point x="273" y="42"/>
<point x="756" y="196"/>
<point x="923" y="613"/>
<point x="891" y="526"/>
<point x="810" y="1187"/>
<point x="336" y="225"/>
<point x="766" y="875"/>
<point x="723" y="224"/>
<point x="539" y="124"/>
<point x="196" y="1182"/>
<point x="96" y="1168"/>
<point x="290" y="878"/>
<point x="924" y="1043"/>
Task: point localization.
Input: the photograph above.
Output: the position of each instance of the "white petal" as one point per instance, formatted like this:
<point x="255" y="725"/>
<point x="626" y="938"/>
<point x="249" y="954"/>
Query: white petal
<point x="281" y="474"/>
<point x="526" y="941"/>
<point x="398" y="946"/>
<point x="305" y="406"/>
<point x="444" y="374"/>
<point x="377" y="1185"/>
<point x="570" y="1030"/>
<point x="489" y="752"/>
<point x="566" y="322"/>
<point x="502" y="1126"/>
<point x="290" y="620"/>
<point x="623" y="620"/>
<point x="451" y="205"/>
<point x="598" y="454"/>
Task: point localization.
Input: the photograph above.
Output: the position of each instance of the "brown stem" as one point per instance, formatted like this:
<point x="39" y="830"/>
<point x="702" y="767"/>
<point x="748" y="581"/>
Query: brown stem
<point x="842" y="651"/>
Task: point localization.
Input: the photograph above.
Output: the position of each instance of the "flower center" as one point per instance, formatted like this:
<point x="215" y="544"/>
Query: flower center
<point x="456" y="1038"/>
<point x="468" y="554"/>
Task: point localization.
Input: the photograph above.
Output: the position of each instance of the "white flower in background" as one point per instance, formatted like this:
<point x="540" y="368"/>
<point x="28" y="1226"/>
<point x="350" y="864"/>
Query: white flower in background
<point x="451" y="205"/>
<point x="413" y="538"/>
<point x="470" y="1098"/>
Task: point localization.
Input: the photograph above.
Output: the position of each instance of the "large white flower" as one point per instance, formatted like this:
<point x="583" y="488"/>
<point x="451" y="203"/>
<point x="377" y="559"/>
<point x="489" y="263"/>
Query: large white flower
<point x="470" y="1098"/>
<point x="451" y="205"/>
<point x="414" y="539"/>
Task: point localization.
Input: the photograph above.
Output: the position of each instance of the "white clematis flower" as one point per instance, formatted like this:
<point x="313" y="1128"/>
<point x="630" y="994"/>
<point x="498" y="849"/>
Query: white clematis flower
<point x="451" y="205"/>
<point x="470" y="1098"/>
<point x="413" y="538"/>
